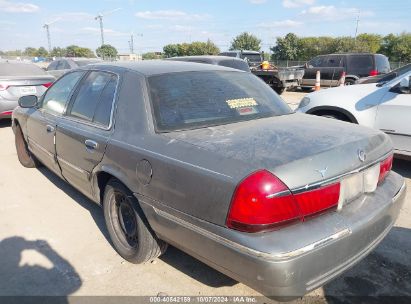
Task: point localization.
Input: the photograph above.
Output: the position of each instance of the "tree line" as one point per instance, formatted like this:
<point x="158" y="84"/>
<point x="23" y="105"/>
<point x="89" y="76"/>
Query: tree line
<point x="104" y="51"/>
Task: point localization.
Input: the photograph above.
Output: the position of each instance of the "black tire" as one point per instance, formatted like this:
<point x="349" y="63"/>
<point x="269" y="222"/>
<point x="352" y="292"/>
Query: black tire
<point x="306" y="89"/>
<point x="129" y="230"/>
<point x="349" y="82"/>
<point x="279" y="90"/>
<point x="336" y="116"/>
<point x="26" y="158"/>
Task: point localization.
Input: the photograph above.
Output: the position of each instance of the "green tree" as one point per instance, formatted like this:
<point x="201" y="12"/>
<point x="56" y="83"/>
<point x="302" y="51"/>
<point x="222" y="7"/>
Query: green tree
<point x="42" y="52"/>
<point x="58" y="52"/>
<point x="30" y="51"/>
<point x="152" y="55"/>
<point x="287" y="48"/>
<point x="246" y="41"/>
<point x="107" y="51"/>
<point x="369" y="42"/>
<point x="77" y="51"/>
<point x="196" y="48"/>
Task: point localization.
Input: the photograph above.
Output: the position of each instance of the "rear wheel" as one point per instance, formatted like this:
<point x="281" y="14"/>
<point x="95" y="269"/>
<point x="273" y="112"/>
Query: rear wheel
<point x="279" y="90"/>
<point x="129" y="229"/>
<point x="26" y="158"/>
<point x="349" y="82"/>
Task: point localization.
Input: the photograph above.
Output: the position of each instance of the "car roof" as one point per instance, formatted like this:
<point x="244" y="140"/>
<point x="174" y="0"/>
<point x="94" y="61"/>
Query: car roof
<point x="244" y="51"/>
<point x="211" y="59"/>
<point x="157" y="67"/>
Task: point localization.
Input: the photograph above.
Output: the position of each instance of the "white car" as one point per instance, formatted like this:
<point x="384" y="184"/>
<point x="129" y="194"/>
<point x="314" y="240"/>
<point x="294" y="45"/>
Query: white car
<point x="386" y="107"/>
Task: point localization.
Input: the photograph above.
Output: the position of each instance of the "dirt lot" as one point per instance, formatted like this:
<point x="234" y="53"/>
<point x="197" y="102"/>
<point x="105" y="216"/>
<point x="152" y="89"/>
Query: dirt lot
<point x="54" y="242"/>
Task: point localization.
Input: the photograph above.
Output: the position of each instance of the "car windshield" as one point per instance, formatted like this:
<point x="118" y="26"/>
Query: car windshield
<point x="20" y="69"/>
<point x="190" y="100"/>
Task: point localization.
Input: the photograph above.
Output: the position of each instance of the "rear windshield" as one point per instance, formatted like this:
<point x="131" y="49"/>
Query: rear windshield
<point x="82" y="63"/>
<point x="383" y="65"/>
<point x="20" y="69"/>
<point x="363" y="62"/>
<point x="251" y="57"/>
<point x="190" y="100"/>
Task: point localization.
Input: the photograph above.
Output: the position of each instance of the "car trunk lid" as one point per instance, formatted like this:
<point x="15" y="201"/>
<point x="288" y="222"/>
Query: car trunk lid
<point x="16" y="86"/>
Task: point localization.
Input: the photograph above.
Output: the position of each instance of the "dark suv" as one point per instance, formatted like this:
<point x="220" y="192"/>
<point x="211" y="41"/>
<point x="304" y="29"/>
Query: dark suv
<point x="355" y="65"/>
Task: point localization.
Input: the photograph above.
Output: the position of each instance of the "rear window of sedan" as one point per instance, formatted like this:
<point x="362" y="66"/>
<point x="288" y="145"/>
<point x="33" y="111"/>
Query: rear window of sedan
<point x="20" y="69"/>
<point x="190" y="100"/>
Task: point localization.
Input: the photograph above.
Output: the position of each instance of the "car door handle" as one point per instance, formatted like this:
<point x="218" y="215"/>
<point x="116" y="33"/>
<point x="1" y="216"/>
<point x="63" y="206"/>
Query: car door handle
<point x="50" y="129"/>
<point x="91" y="144"/>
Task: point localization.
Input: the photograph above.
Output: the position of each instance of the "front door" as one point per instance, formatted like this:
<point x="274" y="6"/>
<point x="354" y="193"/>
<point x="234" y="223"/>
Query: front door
<point x="393" y="115"/>
<point x="41" y="124"/>
<point x="82" y="134"/>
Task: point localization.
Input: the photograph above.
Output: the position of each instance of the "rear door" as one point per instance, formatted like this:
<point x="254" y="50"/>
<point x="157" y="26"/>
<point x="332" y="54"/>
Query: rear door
<point x="393" y="115"/>
<point x="82" y="134"/>
<point x="41" y="124"/>
<point x="331" y="71"/>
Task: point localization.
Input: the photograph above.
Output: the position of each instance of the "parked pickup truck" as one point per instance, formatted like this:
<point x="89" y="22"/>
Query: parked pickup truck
<point x="277" y="78"/>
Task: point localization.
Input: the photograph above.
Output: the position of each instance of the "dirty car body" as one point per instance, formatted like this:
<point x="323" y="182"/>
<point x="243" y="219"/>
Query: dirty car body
<point x="201" y="146"/>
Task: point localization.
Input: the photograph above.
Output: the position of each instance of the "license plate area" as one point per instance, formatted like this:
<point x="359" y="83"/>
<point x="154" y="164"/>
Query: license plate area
<point x="355" y="185"/>
<point x="31" y="90"/>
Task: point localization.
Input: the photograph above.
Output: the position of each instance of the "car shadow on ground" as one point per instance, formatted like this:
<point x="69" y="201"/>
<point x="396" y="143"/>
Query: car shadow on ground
<point x="18" y="278"/>
<point x="384" y="276"/>
<point x="173" y="256"/>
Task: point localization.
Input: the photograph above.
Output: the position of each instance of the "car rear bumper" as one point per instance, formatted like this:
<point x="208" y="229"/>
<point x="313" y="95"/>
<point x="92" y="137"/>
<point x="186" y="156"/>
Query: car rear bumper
<point x="7" y="107"/>
<point x="295" y="260"/>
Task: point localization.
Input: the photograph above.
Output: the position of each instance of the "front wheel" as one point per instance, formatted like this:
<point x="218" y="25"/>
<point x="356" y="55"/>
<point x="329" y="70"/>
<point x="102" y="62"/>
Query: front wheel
<point x="26" y="158"/>
<point x="129" y="229"/>
<point x="279" y="90"/>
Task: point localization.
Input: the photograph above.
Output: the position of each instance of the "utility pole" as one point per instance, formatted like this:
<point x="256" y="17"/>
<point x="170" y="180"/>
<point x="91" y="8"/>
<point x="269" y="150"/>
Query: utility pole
<point x="99" y="17"/>
<point x="47" y="27"/>
<point x="131" y="43"/>
<point x="358" y="23"/>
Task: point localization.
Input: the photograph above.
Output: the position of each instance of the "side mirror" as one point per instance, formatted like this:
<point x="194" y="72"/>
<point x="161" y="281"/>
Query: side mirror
<point x="405" y="85"/>
<point x="28" y="101"/>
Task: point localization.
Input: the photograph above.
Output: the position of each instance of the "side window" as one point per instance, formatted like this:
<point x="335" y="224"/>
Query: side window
<point x="332" y="62"/>
<point x="95" y="97"/>
<point x="66" y="65"/>
<point x="58" y="95"/>
<point x="316" y="62"/>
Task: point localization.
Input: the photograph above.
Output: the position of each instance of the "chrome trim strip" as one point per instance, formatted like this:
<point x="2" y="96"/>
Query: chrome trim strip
<point x="313" y="186"/>
<point x="72" y="166"/>
<point x="279" y="194"/>
<point x="399" y="193"/>
<point x="267" y="256"/>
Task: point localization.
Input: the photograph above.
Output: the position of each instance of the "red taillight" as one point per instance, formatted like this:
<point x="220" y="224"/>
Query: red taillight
<point x="319" y="200"/>
<point x="263" y="202"/>
<point x="48" y="84"/>
<point x="374" y="73"/>
<point x="3" y="87"/>
<point x="385" y="168"/>
<point x="7" y="113"/>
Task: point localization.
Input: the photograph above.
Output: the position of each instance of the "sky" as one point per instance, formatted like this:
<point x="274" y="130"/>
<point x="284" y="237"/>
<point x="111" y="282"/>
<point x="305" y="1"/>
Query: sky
<point x="156" y="23"/>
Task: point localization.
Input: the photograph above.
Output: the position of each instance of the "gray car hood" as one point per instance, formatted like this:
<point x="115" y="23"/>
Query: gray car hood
<point x="293" y="146"/>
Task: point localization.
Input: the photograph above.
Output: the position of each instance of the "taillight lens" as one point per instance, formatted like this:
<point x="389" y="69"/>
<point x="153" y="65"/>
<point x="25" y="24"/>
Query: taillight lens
<point x="319" y="200"/>
<point x="385" y="168"/>
<point x="3" y="87"/>
<point x="374" y="73"/>
<point x="263" y="202"/>
<point x="48" y="84"/>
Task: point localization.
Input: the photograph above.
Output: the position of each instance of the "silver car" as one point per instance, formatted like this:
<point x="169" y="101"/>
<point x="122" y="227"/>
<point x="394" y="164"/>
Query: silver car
<point x="61" y="66"/>
<point x="211" y="160"/>
<point x="18" y="79"/>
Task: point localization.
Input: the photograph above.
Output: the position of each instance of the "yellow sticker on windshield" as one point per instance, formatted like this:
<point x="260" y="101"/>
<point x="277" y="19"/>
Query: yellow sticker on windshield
<point x="241" y="103"/>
